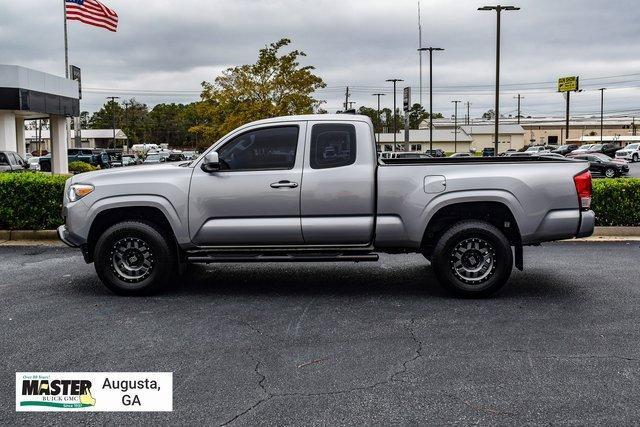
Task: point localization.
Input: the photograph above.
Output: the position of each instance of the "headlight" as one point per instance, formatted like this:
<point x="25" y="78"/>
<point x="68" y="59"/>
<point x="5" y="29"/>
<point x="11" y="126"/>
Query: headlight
<point x="78" y="191"/>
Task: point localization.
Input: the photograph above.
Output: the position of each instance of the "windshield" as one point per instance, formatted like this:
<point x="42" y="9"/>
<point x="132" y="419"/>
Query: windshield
<point x="633" y="146"/>
<point x="596" y="147"/>
<point x="152" y="157"/>
<point x="533" y="148"/>
<point x="585" y="147"/>
<point x="602" y="156"/>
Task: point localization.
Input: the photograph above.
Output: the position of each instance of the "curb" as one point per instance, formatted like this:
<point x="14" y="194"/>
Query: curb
<point x="616" y="232"/>
<point x="28" y="235"/>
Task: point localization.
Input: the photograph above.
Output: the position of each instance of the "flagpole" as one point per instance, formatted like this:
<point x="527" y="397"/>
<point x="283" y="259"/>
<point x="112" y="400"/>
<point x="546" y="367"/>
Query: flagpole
<point x="66" y="40"/>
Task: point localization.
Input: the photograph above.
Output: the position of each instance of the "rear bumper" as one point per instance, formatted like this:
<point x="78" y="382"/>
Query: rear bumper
<point x="587" y="223"/>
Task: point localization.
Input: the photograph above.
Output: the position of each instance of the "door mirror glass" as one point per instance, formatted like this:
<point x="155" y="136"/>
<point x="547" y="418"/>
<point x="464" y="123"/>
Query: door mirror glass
<point x="211" y="162"/>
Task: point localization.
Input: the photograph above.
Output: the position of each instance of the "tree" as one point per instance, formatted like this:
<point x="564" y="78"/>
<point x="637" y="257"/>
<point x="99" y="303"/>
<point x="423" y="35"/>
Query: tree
<point x="489" y="114"/>
<point x="372" y="113"/>
<point x="130" y="116"/>
<point x="275" y="85"/>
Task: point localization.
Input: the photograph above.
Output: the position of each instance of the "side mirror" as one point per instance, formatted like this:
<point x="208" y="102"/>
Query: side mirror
<point x="211" y="162"/>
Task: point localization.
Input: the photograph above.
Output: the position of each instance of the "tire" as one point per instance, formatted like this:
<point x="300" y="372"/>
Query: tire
<point x="134" y="258"/>
<point x="634" y="158"/>
<point x="455" y="264"/>
<point x="610" y="173"/>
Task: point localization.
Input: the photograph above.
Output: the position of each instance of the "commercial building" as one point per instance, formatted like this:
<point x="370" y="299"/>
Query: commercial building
<point x="27" y="94"/>
<point x="90" y="138"/>
<point x="510" y="136"/>
<point x="443" y="139"/>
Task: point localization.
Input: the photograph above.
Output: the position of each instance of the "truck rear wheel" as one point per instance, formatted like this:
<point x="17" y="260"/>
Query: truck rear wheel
<point x="134" y="258"/>
<point x="472" y="259"/>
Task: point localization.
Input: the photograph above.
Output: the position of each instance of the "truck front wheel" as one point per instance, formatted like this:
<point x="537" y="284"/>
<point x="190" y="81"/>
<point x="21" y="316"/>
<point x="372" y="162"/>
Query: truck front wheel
<point x="472" y="259"/>
<point x="134" y="258"/>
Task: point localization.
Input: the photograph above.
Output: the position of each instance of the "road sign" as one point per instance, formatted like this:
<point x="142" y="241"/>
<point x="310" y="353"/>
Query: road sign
<point x="568" y="84"/>
<point x="406" y="98"/>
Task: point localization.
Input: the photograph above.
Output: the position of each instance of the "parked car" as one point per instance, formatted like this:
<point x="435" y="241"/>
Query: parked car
<point x="601" y="164"/>
<point x="10" y="161"/>
<point x="488" y="152"/>
<point x="94" y="157"/>
<point x="537" y="149"/>
<point x="551" y="155"/>
<point x="246" y="200"/>
<point x="583" y="149"/>
<point x="404" y="155"/>
<point x="34" y="163"/>
<point x="190" y="155"/>
<point x="607" y="149"/>
<point x="436" y="153"/>
<point x="154" y="158"/>
<point x="631" y="152"/>
<point x="176" y="157"/>
<point x="518" y="154"/>
<point x="565" y="149"/>
<point x="461" y="155"/>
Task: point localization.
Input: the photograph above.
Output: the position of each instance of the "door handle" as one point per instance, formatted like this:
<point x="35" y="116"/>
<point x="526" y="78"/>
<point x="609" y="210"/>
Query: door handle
<point x="284" y="184"/>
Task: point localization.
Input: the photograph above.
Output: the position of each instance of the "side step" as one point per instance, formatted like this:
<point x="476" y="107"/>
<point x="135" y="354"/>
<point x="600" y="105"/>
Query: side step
<point x="284" y="257"/>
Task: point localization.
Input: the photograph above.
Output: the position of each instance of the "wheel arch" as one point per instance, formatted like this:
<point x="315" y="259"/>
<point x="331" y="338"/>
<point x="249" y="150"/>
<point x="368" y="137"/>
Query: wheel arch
<point x="495" y="212"/>
<point x="107" y="217"/>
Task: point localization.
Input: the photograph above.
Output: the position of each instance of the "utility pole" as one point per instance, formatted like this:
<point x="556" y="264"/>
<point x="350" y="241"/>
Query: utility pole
<point x="394" y="81"/>
<point x="113" y="99"/>
<point x="468" y="122"/>
<point x="455" y="127"/>
<point x="633" y="126"/>
<point x="498" y="9"/>
<point x="430" y="49"/>
<point x="419" y="49"/>
<point x="602" y="89"/>
<point x="380" y="122"/>
<point x="346" y="99"/>
<point x="519" y="97"/>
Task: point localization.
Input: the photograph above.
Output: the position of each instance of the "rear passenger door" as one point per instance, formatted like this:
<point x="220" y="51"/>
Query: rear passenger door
<point x="338" y="184"/>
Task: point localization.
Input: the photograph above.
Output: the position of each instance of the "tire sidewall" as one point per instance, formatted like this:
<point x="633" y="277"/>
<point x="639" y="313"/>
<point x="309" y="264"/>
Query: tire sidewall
<point x="634" y="158"/>
<point x="163" y="265"/>
<point x="613" y="173"/>
<point x="503" y="260"/>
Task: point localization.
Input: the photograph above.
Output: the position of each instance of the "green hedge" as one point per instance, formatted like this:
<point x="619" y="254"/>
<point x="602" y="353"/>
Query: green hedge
<point x="79" y="167"/>
<point x="30" y="201"/>
<point x="33" y="201"/>
<point x="616" y="201"/>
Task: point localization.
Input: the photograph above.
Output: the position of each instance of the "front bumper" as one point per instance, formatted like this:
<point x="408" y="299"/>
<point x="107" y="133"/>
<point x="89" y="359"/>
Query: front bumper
<point x="68" y="238"/>
<point x="587" y="224"/>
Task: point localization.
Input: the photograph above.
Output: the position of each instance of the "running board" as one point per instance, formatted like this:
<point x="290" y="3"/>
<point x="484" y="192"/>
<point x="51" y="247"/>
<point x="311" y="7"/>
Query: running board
<point x="288" y="257"/>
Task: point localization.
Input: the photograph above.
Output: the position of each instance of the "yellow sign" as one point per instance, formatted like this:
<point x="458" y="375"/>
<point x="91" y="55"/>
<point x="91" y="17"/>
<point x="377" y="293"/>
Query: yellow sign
<point x="568" y="84"/>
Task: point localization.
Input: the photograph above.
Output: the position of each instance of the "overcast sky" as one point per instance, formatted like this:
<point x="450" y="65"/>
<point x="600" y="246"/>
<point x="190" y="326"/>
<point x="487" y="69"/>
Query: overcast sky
<point x="164" y="49"/>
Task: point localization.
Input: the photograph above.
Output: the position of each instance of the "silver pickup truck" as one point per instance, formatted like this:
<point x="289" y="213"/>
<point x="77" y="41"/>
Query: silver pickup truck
<point x="311" y="188"/>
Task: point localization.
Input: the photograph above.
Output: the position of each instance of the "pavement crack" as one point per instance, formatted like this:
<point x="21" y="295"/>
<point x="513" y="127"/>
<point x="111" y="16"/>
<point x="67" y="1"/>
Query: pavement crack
<point x="269" y="396"/>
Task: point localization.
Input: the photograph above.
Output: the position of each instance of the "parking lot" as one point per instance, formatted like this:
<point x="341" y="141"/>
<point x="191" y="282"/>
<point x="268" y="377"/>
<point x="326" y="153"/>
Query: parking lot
<point x="340" y="343"/>
<point x="634" y="170"/>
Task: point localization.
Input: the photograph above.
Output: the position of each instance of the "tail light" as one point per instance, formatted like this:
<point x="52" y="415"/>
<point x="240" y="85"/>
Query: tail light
<point x="583" y="188"/>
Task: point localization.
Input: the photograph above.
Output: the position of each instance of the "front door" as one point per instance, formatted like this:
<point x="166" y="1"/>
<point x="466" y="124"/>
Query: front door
<point x="254" y="200"/>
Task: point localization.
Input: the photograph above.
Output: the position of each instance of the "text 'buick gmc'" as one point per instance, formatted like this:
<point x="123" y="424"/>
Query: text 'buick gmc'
<point x="311" y="188"/>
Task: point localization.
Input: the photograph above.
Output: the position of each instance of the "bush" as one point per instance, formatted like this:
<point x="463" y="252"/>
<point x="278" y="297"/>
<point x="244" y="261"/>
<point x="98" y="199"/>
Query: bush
<point x="30" y="201"/>
<point x="616" y="201"/>
<point x="79" y="167"/>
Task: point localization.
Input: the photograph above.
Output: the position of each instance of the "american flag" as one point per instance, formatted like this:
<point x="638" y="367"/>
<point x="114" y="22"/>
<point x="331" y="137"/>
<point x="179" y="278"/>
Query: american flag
<point x="92" y="12"/>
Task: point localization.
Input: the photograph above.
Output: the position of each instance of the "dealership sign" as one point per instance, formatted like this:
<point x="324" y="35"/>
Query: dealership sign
<point x="568" y="84"/>
<point x="94" y="391"/>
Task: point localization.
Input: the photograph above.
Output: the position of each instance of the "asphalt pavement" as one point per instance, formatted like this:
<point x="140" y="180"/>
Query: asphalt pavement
<point x="336" y="344"/>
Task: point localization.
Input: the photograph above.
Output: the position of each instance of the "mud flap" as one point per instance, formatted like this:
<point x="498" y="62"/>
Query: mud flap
<point x="517" y="249"/>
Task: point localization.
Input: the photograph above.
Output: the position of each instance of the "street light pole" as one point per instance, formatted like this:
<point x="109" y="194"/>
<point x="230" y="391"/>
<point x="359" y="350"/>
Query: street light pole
<point x="602" y="89"/>
<point x="113" y="99"/>
<point x="379" y="124"/>
<point x="455" y="127"/>
<point x="498" y="9"/>
<point x="394" y="81"/>
<point x="519" y="97"/>
<point x="430" y="49"/>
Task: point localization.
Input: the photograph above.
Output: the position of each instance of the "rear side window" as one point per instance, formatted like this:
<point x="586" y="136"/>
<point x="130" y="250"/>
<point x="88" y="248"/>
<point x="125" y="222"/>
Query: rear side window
<point x="332" y="145"/>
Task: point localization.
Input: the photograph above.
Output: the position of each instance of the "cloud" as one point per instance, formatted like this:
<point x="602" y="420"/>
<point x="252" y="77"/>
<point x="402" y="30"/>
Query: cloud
<point x="172" y="46"/>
